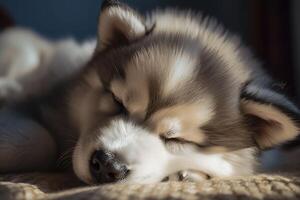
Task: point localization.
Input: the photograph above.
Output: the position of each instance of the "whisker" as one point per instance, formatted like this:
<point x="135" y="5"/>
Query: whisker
<point x="65" y="158"/>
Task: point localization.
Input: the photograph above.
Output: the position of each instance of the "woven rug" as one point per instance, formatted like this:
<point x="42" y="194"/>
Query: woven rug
<point x="55" y="186"/>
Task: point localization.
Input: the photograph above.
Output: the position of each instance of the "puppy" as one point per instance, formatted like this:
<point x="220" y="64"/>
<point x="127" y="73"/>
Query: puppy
<point x="170" y="95"/>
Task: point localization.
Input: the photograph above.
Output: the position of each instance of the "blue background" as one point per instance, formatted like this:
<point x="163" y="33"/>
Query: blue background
<point x="78" y="18"/>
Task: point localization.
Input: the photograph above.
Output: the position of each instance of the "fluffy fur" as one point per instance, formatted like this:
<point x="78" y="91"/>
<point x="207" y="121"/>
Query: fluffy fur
<point x="170" y="93"/>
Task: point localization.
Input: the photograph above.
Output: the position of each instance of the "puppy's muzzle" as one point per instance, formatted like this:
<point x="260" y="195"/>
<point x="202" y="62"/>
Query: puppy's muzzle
<point x="106" y="167"/>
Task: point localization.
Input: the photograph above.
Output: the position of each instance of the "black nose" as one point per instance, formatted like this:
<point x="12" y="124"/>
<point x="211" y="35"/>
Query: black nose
<point x="105" y="167"/>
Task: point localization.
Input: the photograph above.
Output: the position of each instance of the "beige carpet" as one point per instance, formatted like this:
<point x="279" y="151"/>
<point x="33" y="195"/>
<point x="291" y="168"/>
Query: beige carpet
<point x="50" y="186"/>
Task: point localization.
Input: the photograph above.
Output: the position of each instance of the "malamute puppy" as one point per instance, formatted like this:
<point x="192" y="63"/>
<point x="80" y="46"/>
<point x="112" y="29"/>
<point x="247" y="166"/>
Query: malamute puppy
<point x="171" y="95"/>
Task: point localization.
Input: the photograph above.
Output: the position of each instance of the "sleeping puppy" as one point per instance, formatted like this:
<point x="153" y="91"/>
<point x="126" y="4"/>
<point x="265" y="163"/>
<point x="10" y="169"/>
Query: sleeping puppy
<point x="194" y="99"/>
<point x="171" y="95"/>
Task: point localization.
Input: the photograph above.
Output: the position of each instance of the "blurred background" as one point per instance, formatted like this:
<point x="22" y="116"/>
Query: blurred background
<point x="269" y="27"/>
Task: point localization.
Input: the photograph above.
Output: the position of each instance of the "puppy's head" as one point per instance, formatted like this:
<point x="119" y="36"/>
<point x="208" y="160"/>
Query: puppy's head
<point x="167" y="93"/>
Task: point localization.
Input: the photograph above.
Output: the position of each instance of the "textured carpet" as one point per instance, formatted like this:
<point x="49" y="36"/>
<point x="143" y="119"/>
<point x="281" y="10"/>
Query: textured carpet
<point x="49" y="186"/>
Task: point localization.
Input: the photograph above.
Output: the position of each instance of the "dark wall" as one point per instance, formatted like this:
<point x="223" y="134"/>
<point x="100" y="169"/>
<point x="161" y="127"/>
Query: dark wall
<point x="60" y="18"/>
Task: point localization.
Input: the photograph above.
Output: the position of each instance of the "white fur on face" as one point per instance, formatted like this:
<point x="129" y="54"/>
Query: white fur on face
<point x="147" y="157"/>
<point x="181" y="70"/>
<point x="140" y="150"/>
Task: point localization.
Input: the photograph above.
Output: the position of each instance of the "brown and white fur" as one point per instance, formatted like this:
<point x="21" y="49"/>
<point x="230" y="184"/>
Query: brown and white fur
<point x="168" y="95"/>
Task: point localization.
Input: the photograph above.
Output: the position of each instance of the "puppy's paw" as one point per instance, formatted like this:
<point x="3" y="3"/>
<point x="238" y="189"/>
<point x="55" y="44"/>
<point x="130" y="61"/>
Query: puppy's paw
<point x="193" y="176"/>
<point x="188" y="176"/>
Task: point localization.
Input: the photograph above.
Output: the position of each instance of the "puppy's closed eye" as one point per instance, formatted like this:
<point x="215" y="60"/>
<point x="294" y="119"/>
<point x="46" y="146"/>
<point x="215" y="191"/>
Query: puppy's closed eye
<point x="176" y="129"/>
<point x="182" y="122"/>
<point x="173" y="140"/>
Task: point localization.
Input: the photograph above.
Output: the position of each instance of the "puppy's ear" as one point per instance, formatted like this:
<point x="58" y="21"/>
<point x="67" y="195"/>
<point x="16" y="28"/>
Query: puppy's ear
<point x="118" y="25"/>
<point x="273" y="117"/>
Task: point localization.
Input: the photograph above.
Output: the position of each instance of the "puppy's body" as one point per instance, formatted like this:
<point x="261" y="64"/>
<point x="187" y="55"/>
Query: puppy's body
<point x="32" y="67"/>
<point x="170" y="93"/>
